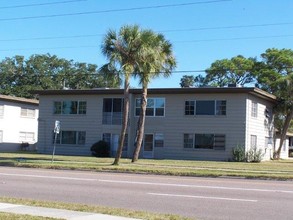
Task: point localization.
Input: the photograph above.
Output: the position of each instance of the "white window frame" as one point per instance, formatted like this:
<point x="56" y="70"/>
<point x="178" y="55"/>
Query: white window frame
<point x="137" y="107"/>
<point x="60" y="109"/>
<point x="113" y="117"/>
<point x="159" y="140"/>
<point x="76" y="141"/>
<point x="1" y="111"/>
<point x="216" y="139"/>
<point x="254" y="109"/>
<point x="27" y="113"/>
<point x="216" y="108"/>
<point x="253" y="141"/>
<point x="26" y="137"/>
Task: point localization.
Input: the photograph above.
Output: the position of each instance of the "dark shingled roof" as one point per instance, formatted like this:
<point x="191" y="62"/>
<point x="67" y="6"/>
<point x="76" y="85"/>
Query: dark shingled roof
<point x="201" y="90"/>
<point x="19" y="100"/>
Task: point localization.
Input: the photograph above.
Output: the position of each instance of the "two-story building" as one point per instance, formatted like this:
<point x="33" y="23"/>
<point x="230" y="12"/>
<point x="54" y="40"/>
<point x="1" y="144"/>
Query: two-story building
<point x="181" y="123"/>
<point x="18" y="123"/>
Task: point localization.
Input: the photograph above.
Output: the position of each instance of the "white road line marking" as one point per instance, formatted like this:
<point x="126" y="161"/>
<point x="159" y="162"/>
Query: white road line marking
<point x="203" y="197"/>
<point x="47" y="177"/>
<point x="195" y="186"/>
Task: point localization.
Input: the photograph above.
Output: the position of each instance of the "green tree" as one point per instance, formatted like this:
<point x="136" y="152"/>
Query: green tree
<point x="275" y="75"/>
<point x="19" y="76"/>
<point x="187" y="81"/>
<point x="123" y="49"/>
<point x="110" y="75"/>
<point x="156" y="59"/>
<point x="200" y="81"/>
<point x="11" y="72"/>
<point x="237" y="70"/>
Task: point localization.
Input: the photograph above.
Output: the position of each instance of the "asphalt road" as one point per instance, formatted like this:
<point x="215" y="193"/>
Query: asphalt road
<point x="201" y="198"/>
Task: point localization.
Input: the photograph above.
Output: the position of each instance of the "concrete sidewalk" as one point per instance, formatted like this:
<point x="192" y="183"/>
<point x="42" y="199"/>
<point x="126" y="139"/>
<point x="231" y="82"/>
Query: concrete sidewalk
<point x="56" y="213"/>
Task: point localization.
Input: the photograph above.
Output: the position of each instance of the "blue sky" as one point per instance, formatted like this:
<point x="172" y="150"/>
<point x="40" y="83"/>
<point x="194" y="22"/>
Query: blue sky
<point x="201" y="31"/>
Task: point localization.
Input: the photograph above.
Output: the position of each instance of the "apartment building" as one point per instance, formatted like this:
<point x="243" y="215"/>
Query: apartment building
<point x="18" y="123"/>
<point x="181" y="123"/>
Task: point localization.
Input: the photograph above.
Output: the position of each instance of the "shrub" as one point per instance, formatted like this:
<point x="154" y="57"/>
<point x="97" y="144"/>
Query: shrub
<point x="239" y="153"/>
<point x="100" y="149"/>
<point x="254" y="155"/>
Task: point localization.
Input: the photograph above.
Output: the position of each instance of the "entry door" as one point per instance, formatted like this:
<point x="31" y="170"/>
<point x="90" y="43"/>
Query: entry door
<point x="148" y="146"/>
<point x="114" y="144"/>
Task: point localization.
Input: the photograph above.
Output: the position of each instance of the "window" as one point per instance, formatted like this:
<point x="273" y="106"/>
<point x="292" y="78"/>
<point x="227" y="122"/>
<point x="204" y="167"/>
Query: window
<point x="1" y="111"/>
<point x="112" y="111"/>
<point x="26" y="137"/>
<point x="110" y="139"/>
<point x="253" y="141"/>
<point x="220" y="107"/>
<point x="205" y="107"/>
<point x="254" y="109"/>
<point x="71" y="137"/>
<point x="219" y="141"/>
<point x="148" y="142"/>
<point x="155" y="107"/>
<point x="159" y="140"/>
<point x="28" y="113"/>
<point x="290" y="141"/>
<point x="1" y="136"/>
<point x="188" y="141"/>
<point x="189" y="107"/>
<point x="70" y="107"/>
<point x="204" y="141"/>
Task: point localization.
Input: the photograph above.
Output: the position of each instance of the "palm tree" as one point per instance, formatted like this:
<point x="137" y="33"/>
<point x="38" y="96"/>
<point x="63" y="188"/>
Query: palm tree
<point x="123" y="49"/>
<point x="156" y="59"/>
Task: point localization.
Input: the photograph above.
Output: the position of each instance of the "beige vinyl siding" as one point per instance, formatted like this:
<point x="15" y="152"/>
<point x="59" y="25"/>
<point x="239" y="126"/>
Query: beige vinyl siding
<point x="91" y="123"/>
<point x="176" y="123"/>
<point x="258" y="125"/>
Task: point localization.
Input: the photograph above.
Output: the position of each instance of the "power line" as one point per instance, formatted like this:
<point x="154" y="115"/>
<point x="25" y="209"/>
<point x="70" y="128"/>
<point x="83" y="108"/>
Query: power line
<point x="47" y="48"/>
<point x="228" y="27"/>
<point x="190" y="41"/>
<point x="51" y="38"/>
<point x="235" y="38"/>
<point x="162" y="31"/>
<point x="114" y="10"/>
<point x="39" y="4"/>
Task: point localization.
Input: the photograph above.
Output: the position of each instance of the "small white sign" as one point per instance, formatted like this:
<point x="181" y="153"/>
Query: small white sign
<point x="57" y="127"/>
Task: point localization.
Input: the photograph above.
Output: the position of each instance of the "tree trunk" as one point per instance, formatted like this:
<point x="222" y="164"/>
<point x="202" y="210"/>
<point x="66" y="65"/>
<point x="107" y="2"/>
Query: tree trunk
<point x="288" y="119"/>
<point x="124" y="122"/>
<point x="140" y="124"/>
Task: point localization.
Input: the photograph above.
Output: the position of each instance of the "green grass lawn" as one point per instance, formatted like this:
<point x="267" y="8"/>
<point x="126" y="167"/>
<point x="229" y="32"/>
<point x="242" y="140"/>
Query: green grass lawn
<point x="282" y="169"/>
<point x="83" y="208"/>
<point x="10" y="216"/>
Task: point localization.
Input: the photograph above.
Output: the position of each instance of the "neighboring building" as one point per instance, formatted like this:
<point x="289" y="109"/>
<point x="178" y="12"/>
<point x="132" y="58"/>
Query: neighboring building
<point x="287" y="146"/>
<point x="290" y="143"/>
<point x="181" y="123"/>
<point x="18" y="122"/>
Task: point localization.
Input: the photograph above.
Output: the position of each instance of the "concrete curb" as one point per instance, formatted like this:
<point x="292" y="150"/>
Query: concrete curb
<point x="56" y="213"/>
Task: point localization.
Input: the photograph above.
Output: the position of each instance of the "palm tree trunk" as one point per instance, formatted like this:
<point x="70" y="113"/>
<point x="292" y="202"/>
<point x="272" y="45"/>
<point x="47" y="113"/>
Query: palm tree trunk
<point x="140" y="124"/>
<point x="124" y="121"/>
<point x="288" y="119"/>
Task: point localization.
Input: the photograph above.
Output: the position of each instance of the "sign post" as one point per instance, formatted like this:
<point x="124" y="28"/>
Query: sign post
<point x="56" y="132"/>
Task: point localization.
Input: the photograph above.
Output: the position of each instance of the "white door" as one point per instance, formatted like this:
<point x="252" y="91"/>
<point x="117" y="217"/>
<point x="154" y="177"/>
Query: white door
<point x="148" y="146"/>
